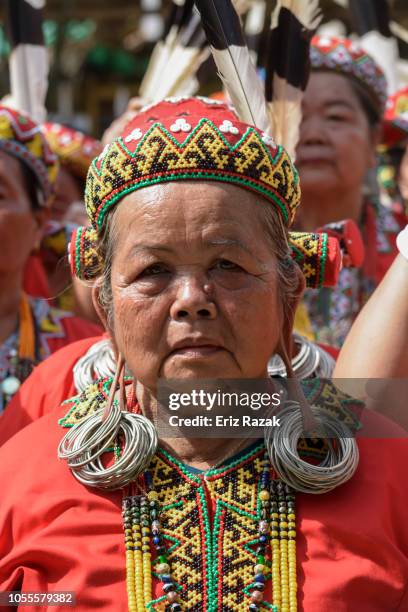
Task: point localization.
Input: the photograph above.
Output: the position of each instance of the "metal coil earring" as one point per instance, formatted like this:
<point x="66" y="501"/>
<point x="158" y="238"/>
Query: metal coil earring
<point x="281" y="443"/>
<point x="337" y="467"/>
<point x="86" y="442"/>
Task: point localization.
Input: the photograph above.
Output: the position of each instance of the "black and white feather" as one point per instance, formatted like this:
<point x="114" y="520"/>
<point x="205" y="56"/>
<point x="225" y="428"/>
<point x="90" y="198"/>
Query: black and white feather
<point x="189" y="52"/>
<point x="28" y="62"/>
<point x="371" y="21"/>
<point x="176" y="59"/>
<point x="223" y="29"/>
<point x="292" y="27"/>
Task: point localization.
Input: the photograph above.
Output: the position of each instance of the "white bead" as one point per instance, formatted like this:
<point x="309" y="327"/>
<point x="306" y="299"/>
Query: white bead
<point x="227" y="127"/>
<point x="10" y="385"/>
<point x="135" y="135"/>
<point x="104" y="152"/>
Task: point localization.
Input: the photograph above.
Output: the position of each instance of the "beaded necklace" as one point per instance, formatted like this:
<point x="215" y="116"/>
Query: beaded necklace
<point x="276" y="535"/>
<point x="21" y="356"/>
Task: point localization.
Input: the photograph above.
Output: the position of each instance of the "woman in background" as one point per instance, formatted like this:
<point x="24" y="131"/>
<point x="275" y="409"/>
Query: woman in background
<point x="47" y="273"/>
<point x="342" y="114"/>
<point x="30" y="329"/>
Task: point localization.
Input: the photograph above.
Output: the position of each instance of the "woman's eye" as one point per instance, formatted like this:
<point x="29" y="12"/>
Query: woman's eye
<point x="336" y="117"/>
<point x="154" y="270"/>
<point x="225" y="264"/>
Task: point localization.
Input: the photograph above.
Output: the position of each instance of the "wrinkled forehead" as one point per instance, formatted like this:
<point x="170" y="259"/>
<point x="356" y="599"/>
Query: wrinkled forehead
<point x="199" y="200"/>
<point x="190" y="210"/>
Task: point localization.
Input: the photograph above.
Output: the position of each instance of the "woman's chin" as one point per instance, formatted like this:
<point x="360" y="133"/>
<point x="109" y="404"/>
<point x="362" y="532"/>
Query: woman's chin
<point x="318" y="178"/>
<point x="215" y="366"/>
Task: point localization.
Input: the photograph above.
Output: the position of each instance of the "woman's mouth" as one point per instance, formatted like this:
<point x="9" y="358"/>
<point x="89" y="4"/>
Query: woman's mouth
<point x="196" y="352"/>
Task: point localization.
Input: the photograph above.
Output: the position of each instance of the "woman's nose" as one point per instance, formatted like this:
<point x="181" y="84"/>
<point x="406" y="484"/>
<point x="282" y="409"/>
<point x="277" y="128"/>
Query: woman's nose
<point x="193" y="301"/>
<point x="312" y="132"/>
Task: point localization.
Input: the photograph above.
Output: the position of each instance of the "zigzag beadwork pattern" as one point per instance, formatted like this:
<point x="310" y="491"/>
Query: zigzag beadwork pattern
<point x="83" y="254"/>
<point x="204" y="154"/>
<point x="211" y="571"/>
<point x="310" y="251"/>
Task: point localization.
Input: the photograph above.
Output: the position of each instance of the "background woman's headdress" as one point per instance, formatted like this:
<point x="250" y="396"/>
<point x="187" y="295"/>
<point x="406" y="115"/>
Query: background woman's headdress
<point x="22" y="138"/>
<point x="75" y="149"/>
<point x="346" y="57"/>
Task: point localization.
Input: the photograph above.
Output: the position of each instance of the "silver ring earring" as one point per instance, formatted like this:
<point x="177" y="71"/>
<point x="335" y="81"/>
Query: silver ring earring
<point x="133" y="435"/>
<point x="338" y="466"/>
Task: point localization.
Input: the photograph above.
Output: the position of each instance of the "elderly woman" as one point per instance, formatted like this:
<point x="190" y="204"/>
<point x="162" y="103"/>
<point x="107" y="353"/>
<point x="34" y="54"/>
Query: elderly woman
<point x="30" y="330"/>
<point x="190" y="210"/>
<point x="342" y="114"/>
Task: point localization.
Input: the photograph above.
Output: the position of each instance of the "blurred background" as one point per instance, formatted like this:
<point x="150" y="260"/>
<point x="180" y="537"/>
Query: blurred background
<point x="99" y="51"/>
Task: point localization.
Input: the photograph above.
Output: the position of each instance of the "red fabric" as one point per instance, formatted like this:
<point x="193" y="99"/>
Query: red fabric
<point x="333" y="262"/>
<point x="58" y="535"/>
<point x="50" y="384"/>
<point x="332" y="350"/>
<point x="35" y="281"/>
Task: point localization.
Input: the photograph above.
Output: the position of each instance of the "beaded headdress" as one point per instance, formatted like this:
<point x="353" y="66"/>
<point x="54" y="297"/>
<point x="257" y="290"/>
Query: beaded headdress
<point x="75" y="149"/>
<point x="191" y="139"/>
<point x="347" y="57"/>
<point x="22" y="138"/>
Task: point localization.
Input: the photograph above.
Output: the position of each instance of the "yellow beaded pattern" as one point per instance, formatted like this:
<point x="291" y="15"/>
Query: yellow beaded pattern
<point x="205" y="154"/>
<point x="214" y="570"/>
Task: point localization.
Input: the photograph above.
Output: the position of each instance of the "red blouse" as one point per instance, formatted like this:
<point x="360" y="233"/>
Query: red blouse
<point x="352" y="544"/>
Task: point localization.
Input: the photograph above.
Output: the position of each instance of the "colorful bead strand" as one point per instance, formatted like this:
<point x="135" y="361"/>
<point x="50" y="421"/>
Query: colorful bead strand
<point x="275" y="549"/>
<point x="146" y="553"/>
<point x="260" y="569"/>
<point x="130" y="564"/>
<point x="290" y="498"/>
<point x="163" y="567"/>
<point x="283" y="541"/>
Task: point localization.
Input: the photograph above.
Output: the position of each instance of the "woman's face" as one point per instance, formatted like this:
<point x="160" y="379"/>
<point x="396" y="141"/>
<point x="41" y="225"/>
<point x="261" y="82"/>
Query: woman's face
<point x="336" y="146"/>
<point x="19" y="227"/>
<point x="67" y="193"/>
<point x="194" y="280"/>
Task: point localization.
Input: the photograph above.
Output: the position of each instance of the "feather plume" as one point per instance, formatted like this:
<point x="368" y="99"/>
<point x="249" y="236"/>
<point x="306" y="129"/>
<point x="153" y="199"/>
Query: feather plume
<point x="371" y="20"/>
<point x="157" y="69"/>
<point x="231" y="55"/>
<point x="189" y="51"/>
<point x="292" y="27"/>
<point x="28" y="58"/>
